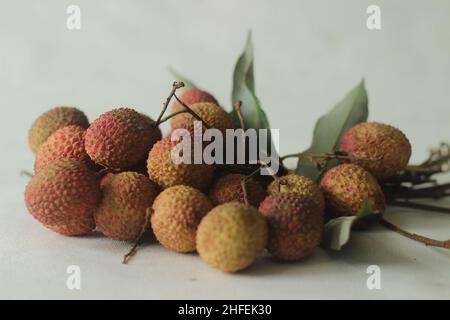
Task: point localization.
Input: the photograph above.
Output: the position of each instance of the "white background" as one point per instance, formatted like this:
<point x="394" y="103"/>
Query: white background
<point x="308" y="55"/>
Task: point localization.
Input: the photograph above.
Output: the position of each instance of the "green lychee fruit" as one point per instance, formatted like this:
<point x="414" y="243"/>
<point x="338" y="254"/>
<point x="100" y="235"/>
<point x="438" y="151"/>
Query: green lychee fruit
<point x="295" y="224"/>
<point x="231" y="236"/>
<point x="122" y="211"/>
<point x="228" y="188"/>
<point x="298" y="184"/>
<point x="191" y="96"/>
<point x="52" y="120"/>
<point x="387" y="147"/>
<point x="67" y="142"/>
<point x="63" y="197"/>
<point x="162" y="169"/>
<point x="214" y="115"/>
<point x="121" y="138"/>
<point x="177" y="212"/>
<point x="348" y="187"/>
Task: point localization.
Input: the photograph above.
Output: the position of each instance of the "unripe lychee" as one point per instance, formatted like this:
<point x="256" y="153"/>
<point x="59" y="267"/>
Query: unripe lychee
<point x="231" y="236"/>
<point x="121" y="138"/>
<point x="166" y="173"/>
<point x="384" y="150"/>
<point x="53" y="120"/>
<point x="67" y="142"/>
<point x="214" y="115"/>
<point x="63" y="197"/>
<point x="298" y="184"/>
<point x="295" y="225"/>
<point x="122" y="211"/>
<point x="228" y="188"/>
<point x="348" y="187"/>
<point x="177" y="212"/>
<point x="191" y="96"/>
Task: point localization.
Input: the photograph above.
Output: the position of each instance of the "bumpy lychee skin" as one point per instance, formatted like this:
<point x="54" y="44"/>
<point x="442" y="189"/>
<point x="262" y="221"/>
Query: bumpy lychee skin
<point x="191" y="96"/>
<point x="214" y="115"/>
<point x="231" y="236"/>
<point x="63" y="197"/>
<point x="298" y="184"/>
<point x="177" y="212"/>
<point x="387" y="146"/>
<point x="228" y="188"/>
<point x="166" y="173"/>
<point x="52" y="120"/>
<point x="295" y="225"/>
<point x="67" y="142"/>
<point x="121" y="138"/>
<point x="348" y="187"/>
<point x="122" y="211"/>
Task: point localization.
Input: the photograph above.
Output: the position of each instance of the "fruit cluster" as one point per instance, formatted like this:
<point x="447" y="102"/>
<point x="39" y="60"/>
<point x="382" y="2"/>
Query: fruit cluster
<point x="115" y="175"/>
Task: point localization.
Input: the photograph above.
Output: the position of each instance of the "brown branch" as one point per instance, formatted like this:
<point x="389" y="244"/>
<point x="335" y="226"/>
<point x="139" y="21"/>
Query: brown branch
<point x="326" y="156"/>
<point x="414" y="236"/>
<point x="237" y="107"/>
<point x="175" y="86"/>
<point x="173" y="115"/>
<point x="138" y="240"/>
<point x="419" y="206"/>
<point x="192" y="112"/>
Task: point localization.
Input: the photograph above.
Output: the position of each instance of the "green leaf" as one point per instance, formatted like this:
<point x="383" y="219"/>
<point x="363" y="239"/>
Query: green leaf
<point x="336" y="232"/>
<point x="244" y="90"/>
<point x="329" y="129"/>
<point x="178" y="77"/>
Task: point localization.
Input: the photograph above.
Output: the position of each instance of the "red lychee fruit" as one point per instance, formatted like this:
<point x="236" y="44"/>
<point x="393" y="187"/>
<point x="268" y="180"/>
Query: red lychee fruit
<point x="63" y="197"/>
<point x="121" y="138"/>
<point x="384" y="150"/>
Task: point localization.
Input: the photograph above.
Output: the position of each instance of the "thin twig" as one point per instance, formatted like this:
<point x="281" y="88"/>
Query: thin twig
<point x="175" y="86"/>
<point x="327" y="156"/>
<point x="138" y="240"/>
<point x="419" y="206"/>
<point x="414" y="236"/>
<point x="244" y="184"/>
<point x="173" y="115"/>
<point x="192" y="112"/>
<point x="237" y="107"/>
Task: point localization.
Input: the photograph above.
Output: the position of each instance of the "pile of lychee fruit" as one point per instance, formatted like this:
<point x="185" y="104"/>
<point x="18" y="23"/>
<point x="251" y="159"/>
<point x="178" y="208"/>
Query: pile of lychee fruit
<point x="116" y="176"/>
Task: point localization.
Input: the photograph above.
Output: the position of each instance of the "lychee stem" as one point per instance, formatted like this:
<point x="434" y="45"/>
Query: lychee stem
<point x="175" y="86"/>
<point x="138" y="240"/>
<point x="237" y="108"/>
<point x="172" y="115"/>
<point x="420" y="206"/>
<point x="339" y="155"/>
<point x="414" y="236"/>
<point x="192" y="112"/>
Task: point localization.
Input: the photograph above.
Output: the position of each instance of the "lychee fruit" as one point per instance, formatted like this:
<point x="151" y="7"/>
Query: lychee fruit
<point x="166" y="173"/>
<point x="214" y="115"/>
<point x="67" y="142"/>
<point x="191" y="96"/>
<point x="228" y="188"/>
<point x="123" y="208"/>
<point x="384" y="150"/>
<point x="298" y="184"/>
<point x="177" y="212"/>
<point x="348" y="187"/>
<point x="63" y="197"/>
<point x="295" y="225"/>
<point x="231" y="236"/>
<point x="52" y="120"/>
<point x="121" y="138"/>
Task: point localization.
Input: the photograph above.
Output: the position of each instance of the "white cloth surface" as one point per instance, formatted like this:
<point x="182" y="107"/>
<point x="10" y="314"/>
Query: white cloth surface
<point x="308" y="55"/>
